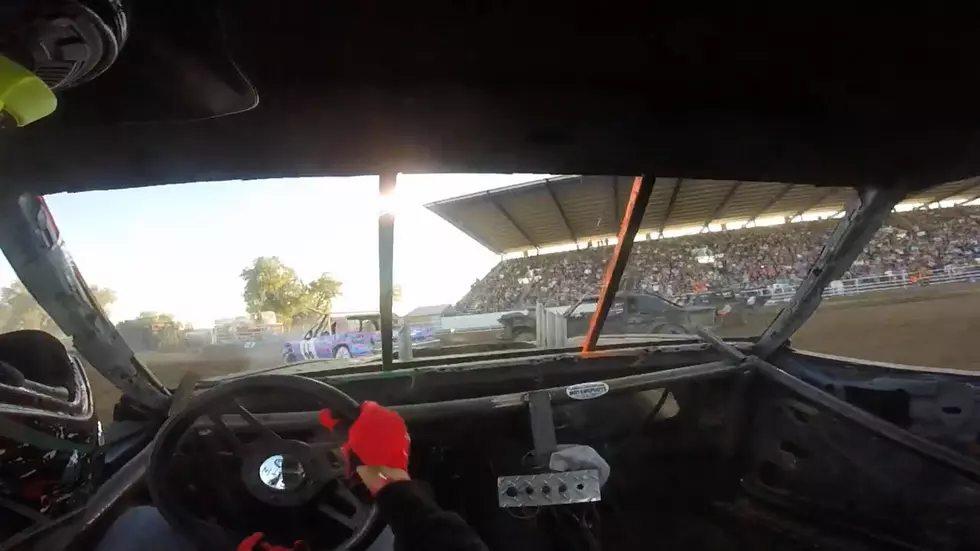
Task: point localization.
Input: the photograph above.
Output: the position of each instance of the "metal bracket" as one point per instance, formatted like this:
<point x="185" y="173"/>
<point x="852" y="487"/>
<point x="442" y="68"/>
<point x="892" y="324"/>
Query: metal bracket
<point x="542" y="427"/>
<point x="541" y="490"/>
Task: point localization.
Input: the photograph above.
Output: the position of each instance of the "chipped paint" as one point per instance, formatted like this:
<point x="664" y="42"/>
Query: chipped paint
<point x="52" y="277"/>
<point x="509" y="400"/>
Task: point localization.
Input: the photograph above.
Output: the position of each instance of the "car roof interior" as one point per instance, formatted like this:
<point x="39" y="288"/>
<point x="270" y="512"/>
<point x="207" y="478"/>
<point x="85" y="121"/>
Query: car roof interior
<point x="452" y="87"/>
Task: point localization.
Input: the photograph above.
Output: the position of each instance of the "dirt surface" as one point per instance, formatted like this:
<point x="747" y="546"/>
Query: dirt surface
<point x="933" y="327"/>
<point x="928" y="326"/>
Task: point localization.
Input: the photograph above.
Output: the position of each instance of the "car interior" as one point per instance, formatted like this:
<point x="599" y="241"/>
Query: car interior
<point x="707" y="444"/>
<point x="702" y="455"/>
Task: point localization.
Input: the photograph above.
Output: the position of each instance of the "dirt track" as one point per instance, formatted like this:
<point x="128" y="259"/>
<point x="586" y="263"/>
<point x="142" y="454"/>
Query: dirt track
<point x="931" y="326"/>
<point x="935" y="327"/>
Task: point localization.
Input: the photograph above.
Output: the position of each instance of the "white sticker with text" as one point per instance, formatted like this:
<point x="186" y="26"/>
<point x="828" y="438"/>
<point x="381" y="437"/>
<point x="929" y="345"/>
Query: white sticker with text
<point x="587" y="391"/>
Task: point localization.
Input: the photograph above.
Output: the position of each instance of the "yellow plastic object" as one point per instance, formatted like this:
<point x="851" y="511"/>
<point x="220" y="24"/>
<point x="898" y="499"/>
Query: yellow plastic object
<point x="23" y="95"/>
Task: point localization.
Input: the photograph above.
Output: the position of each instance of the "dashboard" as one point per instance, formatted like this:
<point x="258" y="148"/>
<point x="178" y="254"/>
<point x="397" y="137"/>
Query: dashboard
<point x="478" y="436"/>
<point x="701" y="452"/>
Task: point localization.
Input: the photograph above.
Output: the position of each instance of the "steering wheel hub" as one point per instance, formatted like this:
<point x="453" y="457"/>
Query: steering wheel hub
<point x="284" y="473"/>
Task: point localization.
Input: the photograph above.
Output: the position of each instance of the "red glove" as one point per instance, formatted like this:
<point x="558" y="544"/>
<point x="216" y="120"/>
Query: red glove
<point x="255" y="542"/>
<point x="377" y="438"/>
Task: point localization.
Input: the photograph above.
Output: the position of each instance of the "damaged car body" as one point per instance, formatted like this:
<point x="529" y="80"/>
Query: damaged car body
<point x="705" y="442"/>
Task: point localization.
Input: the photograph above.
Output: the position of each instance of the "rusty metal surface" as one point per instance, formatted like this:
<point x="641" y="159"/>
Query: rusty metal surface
<point x="636" y="205"/>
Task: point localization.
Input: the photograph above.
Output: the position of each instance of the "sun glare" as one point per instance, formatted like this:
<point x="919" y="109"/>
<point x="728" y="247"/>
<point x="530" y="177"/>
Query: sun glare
<point x="388" y="204"/>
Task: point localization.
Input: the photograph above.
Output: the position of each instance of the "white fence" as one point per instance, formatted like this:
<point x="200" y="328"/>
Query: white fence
<point x="903" y="280"/>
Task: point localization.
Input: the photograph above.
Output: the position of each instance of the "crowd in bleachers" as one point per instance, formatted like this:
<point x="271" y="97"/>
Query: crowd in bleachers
<point x="912" y="241"/>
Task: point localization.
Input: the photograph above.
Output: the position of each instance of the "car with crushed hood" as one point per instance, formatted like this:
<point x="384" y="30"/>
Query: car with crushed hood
<point x="732" y="306"/>
<point x="631" y="313"/>
<point x="702" y="442"/>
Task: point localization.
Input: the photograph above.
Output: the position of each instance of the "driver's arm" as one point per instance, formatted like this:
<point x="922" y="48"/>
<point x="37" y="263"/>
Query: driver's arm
<point x="378" y="445"/>
<point x="416" y="521"/>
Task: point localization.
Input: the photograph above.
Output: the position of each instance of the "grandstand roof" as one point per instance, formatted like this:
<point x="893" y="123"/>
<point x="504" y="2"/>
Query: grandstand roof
<point x="561" y="210"/>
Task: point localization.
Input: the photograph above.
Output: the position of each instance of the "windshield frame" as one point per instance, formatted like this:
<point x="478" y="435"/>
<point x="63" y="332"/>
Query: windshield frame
<point x="31" y="243"/>
<point x="30" y="240"/>
<point x="853" y="232"/>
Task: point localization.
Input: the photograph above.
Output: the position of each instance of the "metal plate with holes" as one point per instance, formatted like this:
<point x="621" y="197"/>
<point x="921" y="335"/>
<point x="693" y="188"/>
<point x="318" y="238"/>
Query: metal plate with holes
<point x="556" y="488"/>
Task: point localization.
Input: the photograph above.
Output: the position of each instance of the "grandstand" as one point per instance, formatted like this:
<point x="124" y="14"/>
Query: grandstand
<point x="732" y="253"/>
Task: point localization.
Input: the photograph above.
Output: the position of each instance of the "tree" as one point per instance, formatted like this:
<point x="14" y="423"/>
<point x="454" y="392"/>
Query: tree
<point x="104" y="296"/>
<point x="153" y="331"/>
<point x="272" y="286"/>
<point x="320" y="293"/>
<point x="19" y="309"/>
<point x="156" y="317"/>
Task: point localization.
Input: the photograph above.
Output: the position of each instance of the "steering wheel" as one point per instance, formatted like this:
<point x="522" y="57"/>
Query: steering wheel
<point x="217" y="485"/>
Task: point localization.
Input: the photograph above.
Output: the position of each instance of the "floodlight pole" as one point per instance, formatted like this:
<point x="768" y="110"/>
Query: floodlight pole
<point x="386" y="251"/>
<point x="635" y="207"/>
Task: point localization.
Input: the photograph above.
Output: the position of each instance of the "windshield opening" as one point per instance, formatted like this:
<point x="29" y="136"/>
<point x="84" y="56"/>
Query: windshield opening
<point x="210" y="278"/>
<point x="911" y="296"/>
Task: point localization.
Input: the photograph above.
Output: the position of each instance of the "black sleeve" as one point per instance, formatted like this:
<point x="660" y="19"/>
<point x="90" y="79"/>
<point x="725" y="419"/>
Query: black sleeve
<point x="418" y="524"/>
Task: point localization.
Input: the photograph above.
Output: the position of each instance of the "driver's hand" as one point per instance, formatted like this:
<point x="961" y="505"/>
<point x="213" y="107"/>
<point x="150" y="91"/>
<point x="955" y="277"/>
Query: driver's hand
<point x="375" y="477"/>
<point x="377" y="445"/>
<point x="256" y="542"/>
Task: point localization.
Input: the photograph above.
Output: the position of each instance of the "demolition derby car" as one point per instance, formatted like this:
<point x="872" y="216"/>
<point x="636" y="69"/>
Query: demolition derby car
<point x="732" y="306"/>
<point x="630" y="313"/>
<point x="346" y="336"/>
<point x="699" y="443"/>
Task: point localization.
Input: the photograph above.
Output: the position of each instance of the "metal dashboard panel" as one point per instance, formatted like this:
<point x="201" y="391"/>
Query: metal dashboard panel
<point x="552" y="488"/>
<point x="801" y="454"/>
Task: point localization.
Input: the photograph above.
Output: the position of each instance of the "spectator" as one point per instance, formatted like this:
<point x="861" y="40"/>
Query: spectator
<point x="913" y="241"/>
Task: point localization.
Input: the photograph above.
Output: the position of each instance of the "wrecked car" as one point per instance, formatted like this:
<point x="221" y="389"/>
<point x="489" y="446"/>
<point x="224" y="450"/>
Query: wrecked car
<point x="346" y="336"/>
<point x="631" y="313"/>
<point x="732" y="307"/>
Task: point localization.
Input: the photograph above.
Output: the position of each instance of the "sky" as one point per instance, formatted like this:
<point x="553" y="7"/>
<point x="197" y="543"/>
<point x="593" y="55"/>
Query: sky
<point x="179" y="249"/>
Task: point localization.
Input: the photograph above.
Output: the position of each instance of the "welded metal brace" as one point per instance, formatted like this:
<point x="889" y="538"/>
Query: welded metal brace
<point x="542" y="426"/>
<point x="937" y="453"/>
<point x="628" y="226"/>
